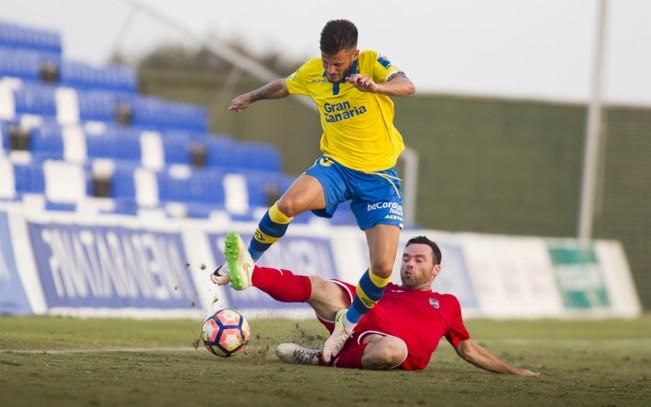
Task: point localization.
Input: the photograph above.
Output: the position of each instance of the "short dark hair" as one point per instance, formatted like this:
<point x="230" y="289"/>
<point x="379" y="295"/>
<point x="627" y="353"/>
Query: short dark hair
<point x="424" y="240"/>
<point x="338" y="35"/>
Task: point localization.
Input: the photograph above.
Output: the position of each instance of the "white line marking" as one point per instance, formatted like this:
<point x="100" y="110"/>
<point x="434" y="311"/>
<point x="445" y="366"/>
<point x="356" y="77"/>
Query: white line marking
<point x="104" y="350"/>
<point x="510" y="341"/>
<point x="201" y="348"/>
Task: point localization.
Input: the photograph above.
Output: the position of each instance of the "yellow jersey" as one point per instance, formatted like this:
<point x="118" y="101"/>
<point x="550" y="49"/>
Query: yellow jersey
<point x="358" y="130"/>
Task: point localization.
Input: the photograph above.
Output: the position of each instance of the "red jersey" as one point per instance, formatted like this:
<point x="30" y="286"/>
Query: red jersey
<point x="420" y="318"/>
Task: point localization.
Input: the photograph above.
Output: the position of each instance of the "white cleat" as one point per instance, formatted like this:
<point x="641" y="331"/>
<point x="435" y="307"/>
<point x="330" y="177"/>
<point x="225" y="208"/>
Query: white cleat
<point x="239" y="261"/>
<point x="297" y="354"/>
<point x="220" y="275"/>
<point x="337" y="338"/>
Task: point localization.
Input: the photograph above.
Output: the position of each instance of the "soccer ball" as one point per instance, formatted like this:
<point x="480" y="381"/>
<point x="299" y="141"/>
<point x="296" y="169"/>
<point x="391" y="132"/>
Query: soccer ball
<point x="225" y="332"/>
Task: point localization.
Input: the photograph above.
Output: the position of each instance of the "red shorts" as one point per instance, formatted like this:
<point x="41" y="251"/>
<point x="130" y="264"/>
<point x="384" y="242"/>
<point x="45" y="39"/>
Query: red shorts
<point x="366" y="327"/>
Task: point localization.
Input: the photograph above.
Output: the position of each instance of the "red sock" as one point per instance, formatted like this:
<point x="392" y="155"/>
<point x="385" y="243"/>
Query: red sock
<point x="350" y="356"/>
<point x="282" y="285"/>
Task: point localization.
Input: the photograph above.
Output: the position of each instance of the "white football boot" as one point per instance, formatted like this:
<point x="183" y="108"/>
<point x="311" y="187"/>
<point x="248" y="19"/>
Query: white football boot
<point x="337" y="338"/>
<point x="297" y="354"/>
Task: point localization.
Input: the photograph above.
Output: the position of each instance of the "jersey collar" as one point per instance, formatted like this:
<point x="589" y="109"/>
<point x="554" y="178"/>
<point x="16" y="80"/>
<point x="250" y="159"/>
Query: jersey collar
<point x="352" y="70"/>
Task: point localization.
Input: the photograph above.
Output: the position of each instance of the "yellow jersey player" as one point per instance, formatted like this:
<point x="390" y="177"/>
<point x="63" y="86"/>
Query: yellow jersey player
<point x="360" y="147"/>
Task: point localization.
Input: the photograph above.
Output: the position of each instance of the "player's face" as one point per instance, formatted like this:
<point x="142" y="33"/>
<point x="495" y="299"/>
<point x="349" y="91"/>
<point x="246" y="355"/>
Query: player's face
<point x="336" y="66"/>
<point x="418" y="268"/>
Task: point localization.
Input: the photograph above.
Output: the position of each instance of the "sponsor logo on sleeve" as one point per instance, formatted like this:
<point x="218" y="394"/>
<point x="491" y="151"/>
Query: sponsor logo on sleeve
<point x="384" y="61"/>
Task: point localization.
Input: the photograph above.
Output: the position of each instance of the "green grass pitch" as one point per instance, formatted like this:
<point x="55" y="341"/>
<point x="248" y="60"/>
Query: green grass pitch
<point x="95" y="362"/>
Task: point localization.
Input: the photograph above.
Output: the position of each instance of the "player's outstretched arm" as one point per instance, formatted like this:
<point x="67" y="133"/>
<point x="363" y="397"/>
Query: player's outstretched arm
<point x="480" y="357"/>
<point x="273" y="90"/>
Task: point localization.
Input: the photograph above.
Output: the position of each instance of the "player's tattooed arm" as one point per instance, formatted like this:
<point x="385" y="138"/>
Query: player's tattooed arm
<point x="396" y="75"/>
<point x="273" y="90"/>
<point x="397" y="84"/>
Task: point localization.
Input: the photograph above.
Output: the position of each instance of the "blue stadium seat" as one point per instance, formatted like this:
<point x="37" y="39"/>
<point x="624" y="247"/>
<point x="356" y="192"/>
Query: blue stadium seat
<point x="123" y="189"/>
<point x="199" y="211"/>
<point x="115" y="144"/>
<point x="160" y="114"/>
<point x="20" y="64"/>
<point x="173" y="189"/>
<point x="176" y="147"/>
<point x="124" y="77"/>
<point x="22" y="37"/>
<point x="35" y="99"/>
<point x="112" y="77"/>
<point x="257" y="184"/>
<point x="4" y="136"/>
<point x="259" y="156"/>
<point x="99" y="147"/>
<point x="211" y="182"/>
<point x="122" y="131"/>
<point x="29" y="178"/>
<point x="223" y="152"/>
<point x="48" y="122"/>
<point x="47" y="142"/>
<point x="97" y="105"/>
<point x="202" y="186"/>
<point x="233" y="155"/>
<point x="264" y="187"/>
<point x="125" y="207"/>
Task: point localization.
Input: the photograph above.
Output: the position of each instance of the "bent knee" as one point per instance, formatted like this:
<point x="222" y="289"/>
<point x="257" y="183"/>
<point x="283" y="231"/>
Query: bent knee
<point x="327" y="298"/>
<point x="382" y="268"/>
<point x="320" y="287"/>
<point x="289" y="206"/>
<point x="395" y="352"/>
<point x="387" y="353"/>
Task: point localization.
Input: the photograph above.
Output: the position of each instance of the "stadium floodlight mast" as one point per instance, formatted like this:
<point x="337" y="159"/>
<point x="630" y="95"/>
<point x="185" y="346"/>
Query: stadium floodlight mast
<point x="593" y="131"/>
<point x="409" y="157"/>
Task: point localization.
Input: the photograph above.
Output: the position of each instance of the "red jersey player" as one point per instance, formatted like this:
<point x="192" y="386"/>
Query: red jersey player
<point x="401" y="331"/>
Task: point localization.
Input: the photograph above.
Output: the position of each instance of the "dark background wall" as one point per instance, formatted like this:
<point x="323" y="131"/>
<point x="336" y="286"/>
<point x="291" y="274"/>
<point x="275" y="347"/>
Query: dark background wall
<point x="486" y="165"/>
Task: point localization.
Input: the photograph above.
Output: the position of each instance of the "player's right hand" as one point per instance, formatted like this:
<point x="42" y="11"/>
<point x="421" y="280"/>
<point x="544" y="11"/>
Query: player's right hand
<point x="526" y="372"/>
<point x="240" y="103"/>
<point x="363" y="83"/>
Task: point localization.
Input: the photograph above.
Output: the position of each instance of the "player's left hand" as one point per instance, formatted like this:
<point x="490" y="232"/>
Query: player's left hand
<point x="363" y="83"/>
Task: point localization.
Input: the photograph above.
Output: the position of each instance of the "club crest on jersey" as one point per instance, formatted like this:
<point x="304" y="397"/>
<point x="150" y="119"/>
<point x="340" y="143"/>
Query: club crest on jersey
<point x="434" y="303"/>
